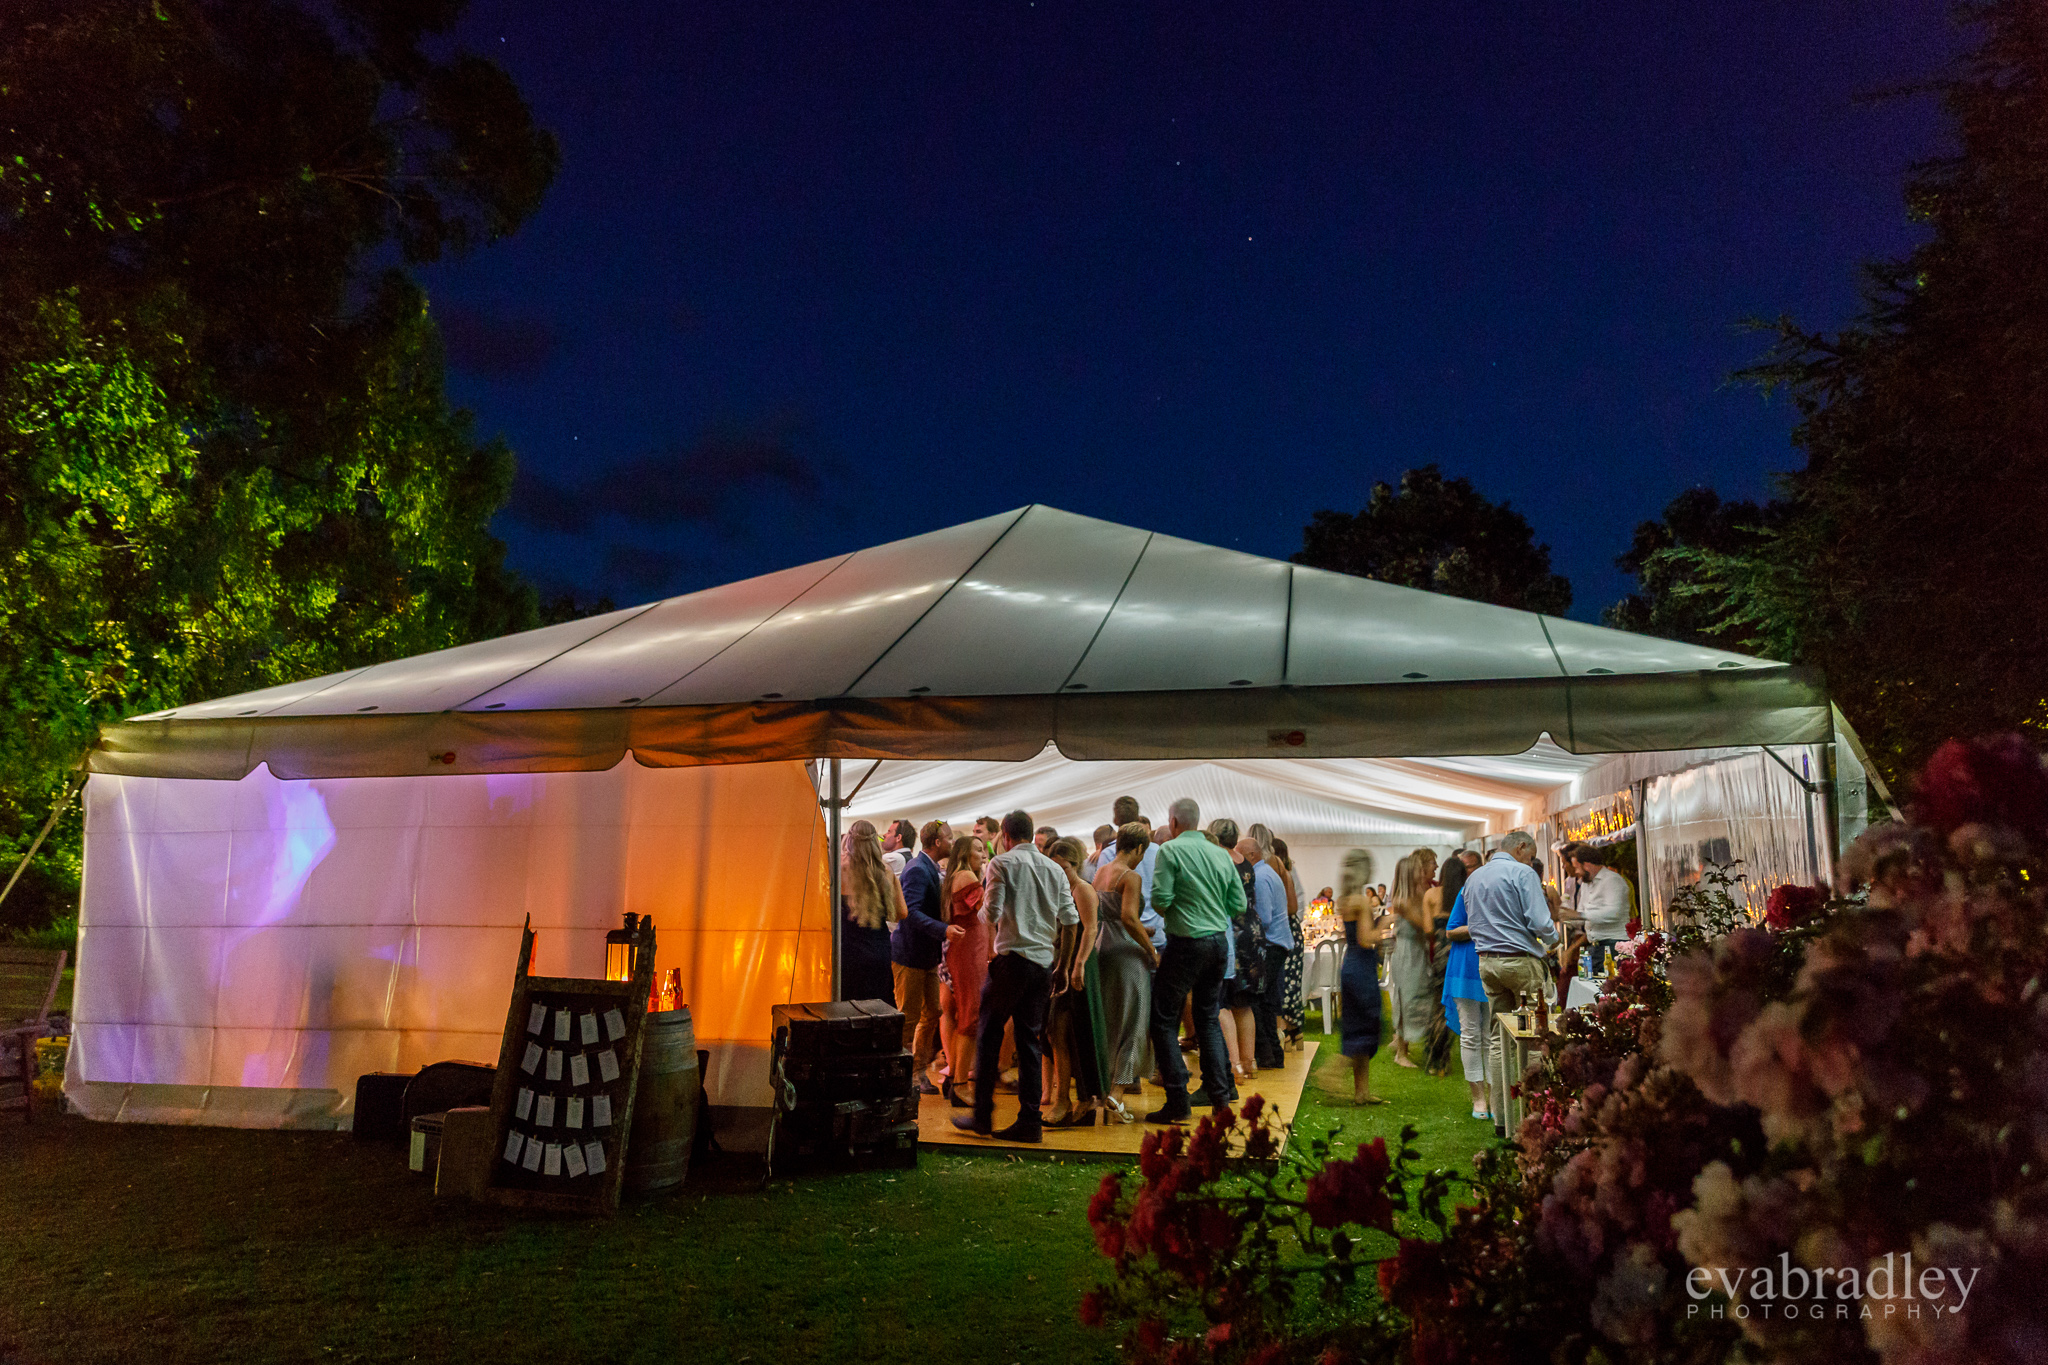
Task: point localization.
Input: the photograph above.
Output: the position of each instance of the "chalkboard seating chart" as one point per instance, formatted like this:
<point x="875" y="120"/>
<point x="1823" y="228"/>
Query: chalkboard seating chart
<point x="562" y="1104"/>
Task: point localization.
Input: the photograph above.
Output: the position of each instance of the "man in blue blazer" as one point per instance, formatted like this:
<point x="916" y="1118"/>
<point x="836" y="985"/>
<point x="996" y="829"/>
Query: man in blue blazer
<point x="917" y="943"/>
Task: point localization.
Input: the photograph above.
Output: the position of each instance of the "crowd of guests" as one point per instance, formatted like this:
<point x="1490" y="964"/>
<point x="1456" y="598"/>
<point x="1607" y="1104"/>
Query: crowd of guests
<point x="1087" y="966"/>
<point x="1091" y="969"/>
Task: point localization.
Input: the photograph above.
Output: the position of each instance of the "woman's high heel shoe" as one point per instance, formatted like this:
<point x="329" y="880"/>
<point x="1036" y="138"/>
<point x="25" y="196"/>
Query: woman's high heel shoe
<point x="953" y="1096"/>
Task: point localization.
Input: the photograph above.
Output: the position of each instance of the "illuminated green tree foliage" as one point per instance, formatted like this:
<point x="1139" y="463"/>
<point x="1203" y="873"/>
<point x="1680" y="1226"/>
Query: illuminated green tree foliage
<point x="226" y="454"/>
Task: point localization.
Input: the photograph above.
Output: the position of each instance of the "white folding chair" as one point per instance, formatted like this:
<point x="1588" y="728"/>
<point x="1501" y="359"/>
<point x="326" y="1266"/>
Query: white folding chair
<point x="1322" y="982"/>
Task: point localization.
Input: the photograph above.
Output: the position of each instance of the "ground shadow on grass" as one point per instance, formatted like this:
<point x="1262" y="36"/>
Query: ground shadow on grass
<point x="129" y="1243"/>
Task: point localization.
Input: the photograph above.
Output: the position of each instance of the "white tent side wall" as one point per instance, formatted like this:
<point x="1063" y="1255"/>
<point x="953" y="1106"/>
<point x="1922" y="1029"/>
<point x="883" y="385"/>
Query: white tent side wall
<point x="1747" y="814"/>
<point x="248" y="949"/>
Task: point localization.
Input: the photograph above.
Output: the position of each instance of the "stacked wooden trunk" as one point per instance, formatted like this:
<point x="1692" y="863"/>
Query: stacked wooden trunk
<point x="844" y="1088"/>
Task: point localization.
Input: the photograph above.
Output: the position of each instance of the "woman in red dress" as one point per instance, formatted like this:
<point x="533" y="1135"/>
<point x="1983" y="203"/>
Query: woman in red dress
<point x="966" y="963"/>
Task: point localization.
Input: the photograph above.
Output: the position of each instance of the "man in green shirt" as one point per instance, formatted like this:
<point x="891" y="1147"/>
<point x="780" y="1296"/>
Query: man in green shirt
<point x="1195" y="886"/>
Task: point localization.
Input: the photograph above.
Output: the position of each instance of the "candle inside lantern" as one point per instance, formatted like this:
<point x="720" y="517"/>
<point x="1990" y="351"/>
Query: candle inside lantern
<point x="619" y="949"/>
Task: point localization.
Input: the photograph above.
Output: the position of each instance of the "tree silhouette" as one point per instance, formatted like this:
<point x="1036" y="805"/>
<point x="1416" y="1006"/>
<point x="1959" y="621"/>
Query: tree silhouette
<point x="1441" y="535"/>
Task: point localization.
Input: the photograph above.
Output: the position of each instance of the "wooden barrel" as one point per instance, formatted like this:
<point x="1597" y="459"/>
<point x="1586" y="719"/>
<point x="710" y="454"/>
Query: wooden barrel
<point x="664" y="1105"/>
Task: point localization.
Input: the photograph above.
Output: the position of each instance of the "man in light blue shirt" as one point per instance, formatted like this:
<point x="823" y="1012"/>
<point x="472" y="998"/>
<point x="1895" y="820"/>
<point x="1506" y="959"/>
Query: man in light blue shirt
<point x="1125" y="812"/>
<point x="1509" y="915"/>
<point x="1269" y="903"/>
<point x="1150" y="916"/>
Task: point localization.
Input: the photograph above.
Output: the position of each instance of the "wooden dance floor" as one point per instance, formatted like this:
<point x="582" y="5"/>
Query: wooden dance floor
<point x="1118" y="1141"/>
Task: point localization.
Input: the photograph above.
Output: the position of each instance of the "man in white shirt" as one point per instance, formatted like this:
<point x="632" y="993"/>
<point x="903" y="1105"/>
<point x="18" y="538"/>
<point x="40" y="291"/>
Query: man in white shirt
<point x="1028" y="900"/>
<point x="1606" y="903"/>
<point x="899" y="846"/>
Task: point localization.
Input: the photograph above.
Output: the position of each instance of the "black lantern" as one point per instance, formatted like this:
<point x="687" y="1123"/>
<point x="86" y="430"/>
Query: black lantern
<point x="620" y="945"/>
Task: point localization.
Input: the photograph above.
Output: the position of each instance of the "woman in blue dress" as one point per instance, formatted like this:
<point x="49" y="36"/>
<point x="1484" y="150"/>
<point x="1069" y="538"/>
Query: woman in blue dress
<point x="1465" y="1004"/>
<point x="1364" y="928"/>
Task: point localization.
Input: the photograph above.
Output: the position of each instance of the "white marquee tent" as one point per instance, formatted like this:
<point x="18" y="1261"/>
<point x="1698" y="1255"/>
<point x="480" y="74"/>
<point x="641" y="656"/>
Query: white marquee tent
<point x="292" y="887"/>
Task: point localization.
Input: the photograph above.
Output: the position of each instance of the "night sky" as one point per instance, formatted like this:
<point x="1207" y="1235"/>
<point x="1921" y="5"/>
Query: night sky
<point x="819" y="276"/>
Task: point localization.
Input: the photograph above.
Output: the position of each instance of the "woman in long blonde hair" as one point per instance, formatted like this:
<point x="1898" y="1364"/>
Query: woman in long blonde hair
<point x="870" y="900"/>
<point x="1360" y="976"/>
<point x="1408" y="963"/>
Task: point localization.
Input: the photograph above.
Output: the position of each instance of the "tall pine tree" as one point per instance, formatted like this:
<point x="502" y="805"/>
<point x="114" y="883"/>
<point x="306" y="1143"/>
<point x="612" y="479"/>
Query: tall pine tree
<point x="1907" y="559"/>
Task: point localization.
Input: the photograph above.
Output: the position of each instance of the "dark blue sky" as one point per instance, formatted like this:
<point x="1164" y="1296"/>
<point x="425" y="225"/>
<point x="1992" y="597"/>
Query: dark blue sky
<point x="818" y="276"/>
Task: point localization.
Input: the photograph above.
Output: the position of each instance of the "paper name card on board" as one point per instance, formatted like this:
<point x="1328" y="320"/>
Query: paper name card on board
<point x="601" y="1112"/>
<point x="546" y="1115"/>
<point x="579" y="1070"/>
<point x="593" y="1152"/>
<point x="551" y="1162"/>
<point x="554" y="1064"/>
<point x="572" y="1157"/>
<point x="561" y="1026"/>
<point x="531" y="1161"/>
<point x="575" y="1116"/>
<point x="614" y="1024"/>
<point x="513" y="1142"/>
<point x="522" y="1108"/>
<point x="607" y="1066"/>
<point x="535" y="1018"/>
<point x="589" y="1023"/>
<point x="531" y="1059"/>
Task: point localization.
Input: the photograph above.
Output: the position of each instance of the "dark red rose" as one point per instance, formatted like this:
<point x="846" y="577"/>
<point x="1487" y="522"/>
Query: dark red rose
<point x="1997" y="780"/>
<point x="1252" y="1108"/>
<point x="1416" y="1274"/>
<point x="1091" y="1308"/>
<point x="1144" y="1226"/>
<point x="1352" y="1191"/>
<point x="1790" y="905"/>
<point x="1205" y="1149"/>
<point x="1106" y="1195"/>
<point x="1157" y="1153"/>
<point x="1150" y="1336"/>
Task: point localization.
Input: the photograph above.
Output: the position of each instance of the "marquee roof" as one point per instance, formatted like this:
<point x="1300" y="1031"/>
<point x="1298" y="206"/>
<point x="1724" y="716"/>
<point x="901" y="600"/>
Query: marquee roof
<point x="989" y="640"/>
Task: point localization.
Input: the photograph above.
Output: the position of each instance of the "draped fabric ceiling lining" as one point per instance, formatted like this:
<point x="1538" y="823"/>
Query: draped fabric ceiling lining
<point x="1318" y="800"/>
<point x="988" y="641"/>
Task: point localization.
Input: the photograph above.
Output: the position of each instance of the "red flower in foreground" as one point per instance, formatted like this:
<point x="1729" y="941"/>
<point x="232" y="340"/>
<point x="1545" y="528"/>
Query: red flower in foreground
<point x="1997" y="780"/>
<point x="1416" y="1276"/>
<point x="1106" y="1194"/>
<point x="1353" y="1191"/>
<point x="1091" y="1308"/>
<point x="1205" y="1149"/>
<point x="1158" y="1151"/>
<point x="1790" y="905"/>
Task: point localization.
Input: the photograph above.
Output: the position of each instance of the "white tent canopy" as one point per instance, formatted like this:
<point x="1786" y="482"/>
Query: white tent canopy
<point x="287" y="888"/>
<point x="989" y="640"/>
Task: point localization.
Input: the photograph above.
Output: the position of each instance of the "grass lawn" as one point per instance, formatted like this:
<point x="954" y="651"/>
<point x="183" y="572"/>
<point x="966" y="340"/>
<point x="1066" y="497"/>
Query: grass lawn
<point x="128" y="1243"/>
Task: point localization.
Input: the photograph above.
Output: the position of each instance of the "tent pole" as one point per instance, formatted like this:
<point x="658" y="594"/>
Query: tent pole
<point x="834" y="805"/>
